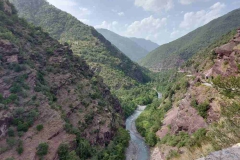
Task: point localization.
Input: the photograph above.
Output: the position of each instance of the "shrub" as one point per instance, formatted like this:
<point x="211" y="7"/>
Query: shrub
<point x="13" y="97"/>
<point x="89" y="118"/>
<point x="172" y="154"/>
<point x="201" y="108"/>
<point x="72" y="156"/>
<point x="50" y="51"/>
<point x="1" y="98"/>
<point x="11" y="142"/>
<point x="84" y="149"/>
<point x="194" y="103"/>
<point x="179" y="140"/>
<point x="1" y="5"/>
<point x="20" y="134"/>
<point x="39" y="127"/>
<point x="42" y="149"/>
<point x="63" y="152"/>
<point x="16" y="88"/>
<point x="151" y="139"/>
<point x="20" y="148"/>
<point x="22" y="127"/>
<point x="40" y="77"/>
<point x="11" y="132"/>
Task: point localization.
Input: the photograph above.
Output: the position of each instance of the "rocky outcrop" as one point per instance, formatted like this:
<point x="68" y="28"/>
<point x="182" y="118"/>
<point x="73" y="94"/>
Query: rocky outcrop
<point x="228" y="58"/>
<point x="232" y="153"/>
<point x="183" y="118"/>
<point x="225" y="50"/>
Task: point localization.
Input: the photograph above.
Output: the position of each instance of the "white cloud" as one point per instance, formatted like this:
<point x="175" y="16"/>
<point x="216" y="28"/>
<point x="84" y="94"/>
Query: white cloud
<point x="174" y="33"/>
<point x="148" y="28"/>
<point x="66" y="3"/>
<point x="86" y="21"/>
<point x="73" y="8"/>
<point x="155" y="5"/>
<point x="114" y="10"/>
<point x="177" y="33"/>
<point x="84" y="12"/>
<point x="106" y="25"/>
<point x="185" y="2"/>
<point x="121" y="14"/>
<point x="196" y="19"/>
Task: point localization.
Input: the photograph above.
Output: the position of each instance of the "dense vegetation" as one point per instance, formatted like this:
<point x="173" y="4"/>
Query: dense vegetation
<point x="124" y="44"/>
<point x="139" y="95"/>
<point x="115" y="150"/>
<point x="170" y="55"/>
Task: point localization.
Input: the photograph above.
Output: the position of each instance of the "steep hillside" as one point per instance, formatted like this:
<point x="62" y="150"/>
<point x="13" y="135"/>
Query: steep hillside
<point x="200" y="109"/>
<point x="174" y="54"/>
<point x="124" y="44"/>
<point x="146" y="44"/>
<point x="52" y="106"/>
<point x="116" y="69"/>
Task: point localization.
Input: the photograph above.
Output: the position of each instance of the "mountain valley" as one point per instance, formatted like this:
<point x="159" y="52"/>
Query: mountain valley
<point x="69" y="91"/>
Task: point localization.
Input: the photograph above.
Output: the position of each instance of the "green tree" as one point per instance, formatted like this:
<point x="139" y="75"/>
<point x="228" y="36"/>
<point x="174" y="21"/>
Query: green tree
<point x="39" y="127"/>
<point x="42" y="149"/>
<point x="63" y="151"/>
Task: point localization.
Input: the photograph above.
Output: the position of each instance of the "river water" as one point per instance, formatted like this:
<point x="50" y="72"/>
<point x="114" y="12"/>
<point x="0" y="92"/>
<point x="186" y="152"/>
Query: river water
<point x="138" y="149"/>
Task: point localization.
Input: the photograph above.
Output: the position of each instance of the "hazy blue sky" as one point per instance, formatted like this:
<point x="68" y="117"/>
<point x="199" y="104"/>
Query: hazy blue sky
<point x="158" y="20"/>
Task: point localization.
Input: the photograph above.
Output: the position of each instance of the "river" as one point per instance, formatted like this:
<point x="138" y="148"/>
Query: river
<point x="138" y="149"/>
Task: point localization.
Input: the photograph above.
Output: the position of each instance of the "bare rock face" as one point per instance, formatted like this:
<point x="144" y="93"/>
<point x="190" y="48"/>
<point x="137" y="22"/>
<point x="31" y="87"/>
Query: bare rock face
<point x="225" y="50"/>
<point x="228" y="58"/>
<point x="7" y="48"/>
<point x="232" y="153"/>
<point x="4" y="123"/>
<point x="183" y="118"/>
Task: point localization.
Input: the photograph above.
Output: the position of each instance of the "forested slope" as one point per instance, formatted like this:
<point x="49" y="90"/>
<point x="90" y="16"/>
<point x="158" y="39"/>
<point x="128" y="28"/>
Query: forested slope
<point x="116" y="69"/>
<point x="51" y="103"/>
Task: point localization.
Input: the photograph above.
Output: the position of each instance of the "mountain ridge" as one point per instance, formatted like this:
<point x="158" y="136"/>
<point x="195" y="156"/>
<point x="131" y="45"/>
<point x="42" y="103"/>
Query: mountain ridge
<point x="146" y="44"/>
<point x="174" y="54"/>
<point x="131" y="49"/>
